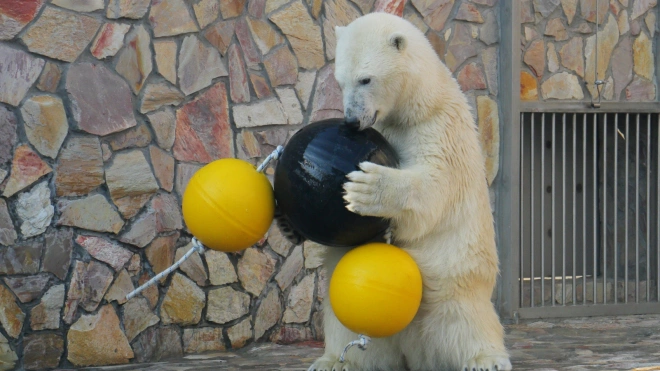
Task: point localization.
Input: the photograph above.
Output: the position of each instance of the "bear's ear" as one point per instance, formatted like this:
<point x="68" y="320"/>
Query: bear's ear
<point x="398" y="40"/>
<point x="339" y="30"/>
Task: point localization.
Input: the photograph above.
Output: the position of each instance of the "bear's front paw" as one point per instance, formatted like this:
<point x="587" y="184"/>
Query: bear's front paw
<point x="330" y="364"/>
<point x="488" y="363"/>
<point x="364" y="191"/>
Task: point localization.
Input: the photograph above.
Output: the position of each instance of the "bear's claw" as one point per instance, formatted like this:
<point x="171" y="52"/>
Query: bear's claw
<point x="330" y="364"/>
<point x="488" y="363"/>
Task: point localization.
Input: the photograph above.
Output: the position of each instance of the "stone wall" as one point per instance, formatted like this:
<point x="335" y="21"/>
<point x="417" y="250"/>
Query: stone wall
<point x="107" y="108"/>
<point x="559" y="50"/>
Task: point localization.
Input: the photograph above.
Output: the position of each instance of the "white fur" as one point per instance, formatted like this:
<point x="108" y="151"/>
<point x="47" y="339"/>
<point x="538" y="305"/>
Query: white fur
<point x="437" y="200"/>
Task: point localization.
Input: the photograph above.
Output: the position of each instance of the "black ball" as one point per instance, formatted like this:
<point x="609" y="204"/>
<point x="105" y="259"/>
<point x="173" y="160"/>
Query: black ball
<point x="309" y="179"/>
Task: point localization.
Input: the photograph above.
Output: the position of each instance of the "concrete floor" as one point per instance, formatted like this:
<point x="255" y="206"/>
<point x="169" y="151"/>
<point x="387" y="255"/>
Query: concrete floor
<point x="603" y="343"/>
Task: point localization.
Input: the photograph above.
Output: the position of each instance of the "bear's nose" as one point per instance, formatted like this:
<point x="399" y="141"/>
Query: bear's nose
<point x="352" y="122"/>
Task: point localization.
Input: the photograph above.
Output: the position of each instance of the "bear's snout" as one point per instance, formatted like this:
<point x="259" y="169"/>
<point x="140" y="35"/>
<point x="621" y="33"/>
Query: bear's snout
<point x="352" y="122"/>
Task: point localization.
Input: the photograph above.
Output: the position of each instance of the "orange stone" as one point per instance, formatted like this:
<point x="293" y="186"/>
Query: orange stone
<point x="528" y="87"/>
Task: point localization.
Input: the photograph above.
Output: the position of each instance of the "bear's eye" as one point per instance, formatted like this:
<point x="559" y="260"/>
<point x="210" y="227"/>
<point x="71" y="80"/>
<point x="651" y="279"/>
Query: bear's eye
<point x="365" y="81"/>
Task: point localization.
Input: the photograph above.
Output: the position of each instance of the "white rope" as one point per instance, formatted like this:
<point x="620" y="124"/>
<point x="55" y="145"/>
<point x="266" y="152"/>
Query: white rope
<point x="362" y="342"/>
<point x="197" y="246"/>
<point x="273" y="156"/>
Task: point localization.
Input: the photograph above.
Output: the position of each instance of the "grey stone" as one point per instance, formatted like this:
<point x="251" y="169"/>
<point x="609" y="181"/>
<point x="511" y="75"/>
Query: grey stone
<point x="265" y="112"/>
<point x="164" y="124"/>
<point x="156" y="343"/>
<point x="221" y="270"/>
<point x="622" y="66"/>
<point x="93" y="213"/>
<point x="7" y="231"/>
<point x="142" y="231"/>
<point x="75" y="292"/>
<point x="120" y="288"/>
<point x="8" y="134"/>
<point x="21" y="258"/>
<point x="255" y="269"/>
<point x="12" y="316"/>
<point x="183" y="303"/>
<point x="304" y="86"/>
<point x="97" y="281"/>
<point x="328" y="99"/>
<point x="203" y="339"/>
<point x="59" y="249"/>
<point x="46" y="314"/>
<point x="45" y="123"/>
<point x="183" y="174"/>
<point x="489" y="58"/>
<point x="226" y="304"/>
<point x="193" y="266"/>
<point x="101" y="102"/>
<point x="42" y="351"/>
<point x="97" y="339"/>
<point x="8" y="357"/>
<point x="461" y="47"/>
<point x="489" y="31"/>
<point x="299" y="303"/>
<point x="640" y="90"/>
<point x="79" y="169"/>
<point x="60" y="34"/>
<point x="240" y="334"/>
<point x="130" y="182"/>
<point x="198" y="65"/>
<point x="137" y="316"/>
<point x="27" y="288"/>
<point x="545" y="7"/>
<point x="314" y="254"/>
<point x="34" y="208"/>
<point x="106" y="251"/>
<point x="157" y="95"/>
<point x="137" y="136"/>
<point x="290" y="105"/>
<point x="134" y="60"/>
<point x="268" y="313"/>
<point x="134" y="9"/>
<point x="18" y="71"/>
<point x="290" y="269"/>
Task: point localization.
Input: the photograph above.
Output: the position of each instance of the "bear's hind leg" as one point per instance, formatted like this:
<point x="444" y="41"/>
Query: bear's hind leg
<point x="457" y="336"/>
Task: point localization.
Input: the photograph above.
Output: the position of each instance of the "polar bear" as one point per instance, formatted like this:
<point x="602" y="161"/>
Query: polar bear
<point x="437" y="201"/>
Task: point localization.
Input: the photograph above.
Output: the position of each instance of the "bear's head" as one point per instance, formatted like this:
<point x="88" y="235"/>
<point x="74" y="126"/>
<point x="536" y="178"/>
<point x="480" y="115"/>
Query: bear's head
<point x="375" y="64"/>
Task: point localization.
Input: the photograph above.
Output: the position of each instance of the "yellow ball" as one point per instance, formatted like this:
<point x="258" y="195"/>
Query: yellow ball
<point x="376" y="290"/>
<point x="228" y="205"/>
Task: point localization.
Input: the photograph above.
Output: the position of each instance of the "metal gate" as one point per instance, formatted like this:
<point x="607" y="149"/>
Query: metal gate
<point x="589" y="214"/>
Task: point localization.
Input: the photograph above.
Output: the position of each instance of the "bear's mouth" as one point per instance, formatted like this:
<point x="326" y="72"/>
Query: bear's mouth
<point x="373" y="121"/>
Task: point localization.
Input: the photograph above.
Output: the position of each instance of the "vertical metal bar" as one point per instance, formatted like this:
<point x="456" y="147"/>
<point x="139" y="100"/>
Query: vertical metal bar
<point x="584" y="208"/>
<point x="574" y="219"/>
<point x="543" y="209"/>
<point x="616" y="206"/>
<point x="648" y="207"/>
<point x="522" y="192"/>
<point x="532" y="193"/>
<point x="552" y="196"/>
<point x="657" y="211"/>
<point x="604" y="208"/>
<point x="637" y="210"/>
<point x="563" y="210"/>
<point x="595" y="207"/>
<point x="625" y="229"/>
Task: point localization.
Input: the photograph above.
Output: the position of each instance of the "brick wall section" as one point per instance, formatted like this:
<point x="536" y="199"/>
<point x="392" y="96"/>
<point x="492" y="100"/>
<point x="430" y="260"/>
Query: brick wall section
<point x="108" y="107"/>
<point x="559" y="50"/>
